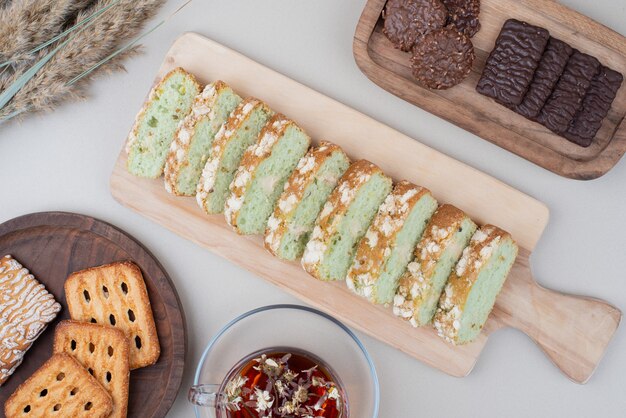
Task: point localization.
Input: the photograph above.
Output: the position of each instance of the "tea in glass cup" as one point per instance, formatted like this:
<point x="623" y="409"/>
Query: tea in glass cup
<point x="276" y="382"/>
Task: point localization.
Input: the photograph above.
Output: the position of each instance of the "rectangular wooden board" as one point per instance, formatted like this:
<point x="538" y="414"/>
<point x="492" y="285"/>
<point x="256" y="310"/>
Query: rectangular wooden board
<point x="463" y="106"/>
<point x="484" y="198"/>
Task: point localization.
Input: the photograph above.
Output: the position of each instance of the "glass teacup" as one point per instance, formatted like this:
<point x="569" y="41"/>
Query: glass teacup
<point x="299" y="331"/>
<point x="285" y="381"/>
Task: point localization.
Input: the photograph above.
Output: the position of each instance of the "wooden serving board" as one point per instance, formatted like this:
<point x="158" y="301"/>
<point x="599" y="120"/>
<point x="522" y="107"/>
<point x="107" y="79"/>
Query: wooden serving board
<point x="573" y="331"/>
<point x="463" y="106"/>
<point x="54" y="244"/>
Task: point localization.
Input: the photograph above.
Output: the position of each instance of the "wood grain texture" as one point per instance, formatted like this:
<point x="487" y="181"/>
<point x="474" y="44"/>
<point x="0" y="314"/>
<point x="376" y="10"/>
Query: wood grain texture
<point x="482" y="197"/>
<point x="54" y="244"/>
<point x="463" y="106"/>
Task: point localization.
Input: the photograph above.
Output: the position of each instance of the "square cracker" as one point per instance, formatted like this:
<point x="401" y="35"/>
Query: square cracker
<point x="60" y="387"/>
<point x="104" y="352"/>
<point x="26" y="309"/>
<point x="115" y="294"/>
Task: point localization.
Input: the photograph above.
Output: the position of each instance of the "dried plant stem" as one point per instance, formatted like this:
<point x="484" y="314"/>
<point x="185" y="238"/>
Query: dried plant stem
<point x="24" y="24"/>
<point x="95" y="43"/>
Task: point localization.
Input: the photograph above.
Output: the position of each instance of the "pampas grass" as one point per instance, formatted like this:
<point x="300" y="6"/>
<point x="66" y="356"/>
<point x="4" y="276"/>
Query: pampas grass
<point x="92" y="46"/>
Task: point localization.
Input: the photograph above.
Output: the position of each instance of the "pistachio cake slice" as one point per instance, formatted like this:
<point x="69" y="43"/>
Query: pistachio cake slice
<point x="315" y="177"/>
<point x="448" y="232"/>
<point x="192" y="142"/>
<point x="156" y="123"/>
<point x="265" y="167"/>
<point x="344" y="219"/>
<point x="474" y="284"/>
<point x="384" y="252"/>
<point x="239" y="132"/>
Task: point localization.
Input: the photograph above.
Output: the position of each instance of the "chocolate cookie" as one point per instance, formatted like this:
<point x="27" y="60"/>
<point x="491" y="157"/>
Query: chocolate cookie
<point x="407" y="20"/>
<point x="512" y="62"/>
<point x="546" y="76"/>
<point x="464" y="15"/>
<point x="442" y="58"/>
<point x="595" y="107"/>
<point x="567" y="96"/>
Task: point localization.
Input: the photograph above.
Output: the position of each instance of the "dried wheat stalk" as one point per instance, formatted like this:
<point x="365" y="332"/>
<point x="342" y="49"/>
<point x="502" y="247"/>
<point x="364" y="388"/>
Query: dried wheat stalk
<point x="25" y="24"/>
<point x="89" y="46"/>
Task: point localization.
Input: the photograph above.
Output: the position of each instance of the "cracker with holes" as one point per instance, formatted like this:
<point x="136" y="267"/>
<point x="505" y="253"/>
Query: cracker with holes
<point x="104" y="352"/>
<point x="115" y="294"/>
<point x="61" y="387"/>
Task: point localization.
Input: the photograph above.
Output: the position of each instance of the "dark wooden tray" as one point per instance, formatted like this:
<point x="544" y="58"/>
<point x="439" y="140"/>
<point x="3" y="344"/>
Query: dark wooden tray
<point x="463" y="106"/>
<point x="54" y="244"/>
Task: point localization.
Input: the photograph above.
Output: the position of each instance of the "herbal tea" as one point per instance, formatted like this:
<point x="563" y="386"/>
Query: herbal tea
<point x="282" y="382"/>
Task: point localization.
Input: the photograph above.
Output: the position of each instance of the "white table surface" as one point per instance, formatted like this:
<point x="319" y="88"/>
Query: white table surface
<point x="62" y="161"/>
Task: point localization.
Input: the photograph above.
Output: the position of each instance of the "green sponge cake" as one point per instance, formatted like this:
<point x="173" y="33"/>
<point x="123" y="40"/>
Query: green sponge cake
<point x="471" y="291"/>
<point x="305" y="192"/>
<point x="387" y="247"/>
<point x="190" y="148"/>
<point x="234" y="137"/>
<point x="448" y="232"/>
<point x="168" y="103"/>
<point x="264" y="169"/>
<point x="344" y="220"/>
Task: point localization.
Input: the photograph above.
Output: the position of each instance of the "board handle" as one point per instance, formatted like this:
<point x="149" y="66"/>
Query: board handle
<point x="573" y="331"/>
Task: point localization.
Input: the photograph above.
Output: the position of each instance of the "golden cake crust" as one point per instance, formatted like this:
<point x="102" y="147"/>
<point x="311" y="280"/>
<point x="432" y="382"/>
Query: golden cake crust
<point x="333" y="211"/>
<point x="294" y="189"/>
<point x="241" y="113"/>
<point x="132" y="136"/>
<point x="203" y="106"/>
<point x="376" y="246"/>
<point x="462" y="279"/>
<point x="252" y="158"/>
<point x="26" y="308"/>
<point x="415" y="282"/>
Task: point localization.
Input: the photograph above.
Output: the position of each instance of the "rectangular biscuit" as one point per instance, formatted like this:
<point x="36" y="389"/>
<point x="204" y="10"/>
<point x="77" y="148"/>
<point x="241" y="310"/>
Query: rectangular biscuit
<point x="115" y="294"/>
<point x="60" y="387"/>
<point x="512" y="63"/>
<point x="104" y="351"/>
<point x="595" y="107"/>
<point x="26" y="308"/>
<point x="546" y="76"/>
<point x="567" y="96"/>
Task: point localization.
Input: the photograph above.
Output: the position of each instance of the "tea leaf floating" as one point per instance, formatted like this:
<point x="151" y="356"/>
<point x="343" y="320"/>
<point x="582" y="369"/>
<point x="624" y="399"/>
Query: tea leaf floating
<point x="38" y="77"/>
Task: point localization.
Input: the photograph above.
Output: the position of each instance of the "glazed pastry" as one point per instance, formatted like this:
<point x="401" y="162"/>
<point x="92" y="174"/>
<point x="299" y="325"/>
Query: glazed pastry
<point x="26" y="309"/>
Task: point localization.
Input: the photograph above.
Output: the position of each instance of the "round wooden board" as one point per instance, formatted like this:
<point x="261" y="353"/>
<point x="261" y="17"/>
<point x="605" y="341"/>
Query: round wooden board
<point x="54" y="244"/>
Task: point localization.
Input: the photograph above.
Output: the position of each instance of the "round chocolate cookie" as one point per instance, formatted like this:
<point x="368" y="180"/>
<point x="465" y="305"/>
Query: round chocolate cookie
<point x="464" y="15"/>
<point x="442" y="58"/>
<point x="407" y="20"/>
